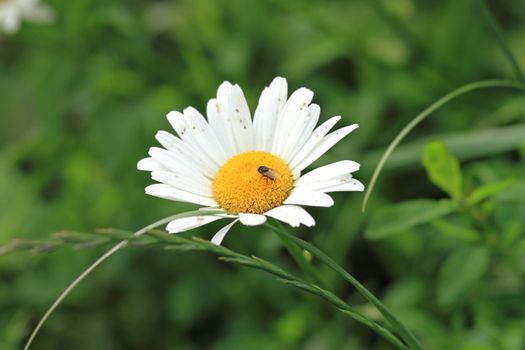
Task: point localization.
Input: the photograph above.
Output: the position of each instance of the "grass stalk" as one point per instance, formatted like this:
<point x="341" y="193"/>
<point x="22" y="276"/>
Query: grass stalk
<point x="92" y="267"/>
<point x="478" y="85"/>
<point x="402" y="330"/>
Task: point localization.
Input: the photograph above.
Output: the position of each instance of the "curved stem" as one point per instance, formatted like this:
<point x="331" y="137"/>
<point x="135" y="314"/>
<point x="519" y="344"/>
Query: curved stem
<point x="403" y="331"/>
<point x="66" y="291"/>
<point x="175" y="242"/>
<point x="479" y="85"/>
<point x="285" y="277"/>
<point x="298" y="256"/>
<point x="99" y="261"/>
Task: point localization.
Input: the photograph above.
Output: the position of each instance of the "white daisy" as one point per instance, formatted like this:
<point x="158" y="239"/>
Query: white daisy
<point x="13" y="11"/>
<point x="248" y="170"/>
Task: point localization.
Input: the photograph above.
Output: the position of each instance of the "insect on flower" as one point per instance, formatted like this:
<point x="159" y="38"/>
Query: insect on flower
<point x="267" y="172"/>
<point x="211" y="161"/>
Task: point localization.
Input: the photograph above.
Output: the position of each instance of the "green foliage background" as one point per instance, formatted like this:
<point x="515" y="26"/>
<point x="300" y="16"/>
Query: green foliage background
<point x="442" y="242"/>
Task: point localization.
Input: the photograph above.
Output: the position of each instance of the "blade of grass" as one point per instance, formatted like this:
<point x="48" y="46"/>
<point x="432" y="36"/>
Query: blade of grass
<point x="347" y="310"/>
<point x="285" y="277"/>
<point x="300" y="259"/>
<point x="180" y="243"/>
<point x="478" y="85"/>
<point x="403" y="331"/>
<point x="99" y="261"/>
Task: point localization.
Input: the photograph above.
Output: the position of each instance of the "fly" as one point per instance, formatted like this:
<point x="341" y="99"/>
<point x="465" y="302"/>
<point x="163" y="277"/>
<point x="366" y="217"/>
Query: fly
<point x="267" y="172"/>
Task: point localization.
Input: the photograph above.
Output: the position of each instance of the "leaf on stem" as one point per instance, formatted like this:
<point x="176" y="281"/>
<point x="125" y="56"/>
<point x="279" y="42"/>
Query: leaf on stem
<point x="443" y="168"/>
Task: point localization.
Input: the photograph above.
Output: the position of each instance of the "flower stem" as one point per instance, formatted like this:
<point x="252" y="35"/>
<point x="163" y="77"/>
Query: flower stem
<point x="299" y="257"/>
<point x="99" y="261"/>
<point x="180" y="243"/>
<point x="403" y="331"/>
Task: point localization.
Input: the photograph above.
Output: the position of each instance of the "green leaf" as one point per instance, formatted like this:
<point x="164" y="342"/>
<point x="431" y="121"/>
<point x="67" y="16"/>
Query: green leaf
<point x="403" y="216"/>
<point x="461" y="273"/>
<point x="489" y="190"/>
<point x="442" y="168"/>
<point x="511" y="194"/>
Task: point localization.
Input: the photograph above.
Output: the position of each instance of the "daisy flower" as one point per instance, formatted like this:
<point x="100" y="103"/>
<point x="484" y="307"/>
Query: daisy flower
<point x="13" y="11"/>
<point x="245" y="170"/>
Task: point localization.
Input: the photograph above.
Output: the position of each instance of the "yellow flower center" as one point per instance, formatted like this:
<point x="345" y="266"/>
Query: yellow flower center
<point x="252" y="182"/>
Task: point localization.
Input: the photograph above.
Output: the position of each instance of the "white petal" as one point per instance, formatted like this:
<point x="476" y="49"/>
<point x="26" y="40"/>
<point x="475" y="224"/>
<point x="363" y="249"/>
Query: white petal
<point x="271" y="102"/>
<point x="220" y="125"/>
<point x="178" y="164"/>
<point x="178" y="123"/>
<point x="324" y="145"/>
<point x="316" y="136"/>
<point x="240" y="120"/>
<point x="252" y="219"/>
<point x="351" y="185"/>
<point x="302" y="132"/>
<point x="184" y="151"/>
<point x="191" y="222"/>
<point x="328" y="172"/>
<point x="149" y="164"/>
<point x="292" y="215"/>
<point x="320" y="184"/>
<point x="191" y="185"/>
<point x="168" y="192"/>
<point x="196" y="133"/>
<point x="219" y="236"/>
<point x="205" y="136"/>
<point x="311" y="198"/>
<point x="340" y="183"/>
<point x="291" y="117"/>
<point x="217" y="111"/>
<point x="224" y="91"/>
<point x="168" y="140"/>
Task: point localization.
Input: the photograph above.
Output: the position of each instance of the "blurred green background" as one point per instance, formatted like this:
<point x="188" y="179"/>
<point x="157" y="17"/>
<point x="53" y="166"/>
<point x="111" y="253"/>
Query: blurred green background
<point x="80" y="102"/>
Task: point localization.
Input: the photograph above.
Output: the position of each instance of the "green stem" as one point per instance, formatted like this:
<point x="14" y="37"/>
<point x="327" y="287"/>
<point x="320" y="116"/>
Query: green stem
<point x="283" y="276"/>
<point x="348" y="311"/>
<point x="180" y="243"/>
<point x="501" y="41"/>
<point x="375" y="327"/>
<point x="403" y="331"/>
<point x="479" y="85"/>
<point x="298" y="255"/>
<point x="99" y="261"/>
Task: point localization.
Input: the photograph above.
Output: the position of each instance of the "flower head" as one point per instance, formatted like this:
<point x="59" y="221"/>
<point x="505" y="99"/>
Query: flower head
<point x="13" y="11"/>
<point x="248" y="170"/>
